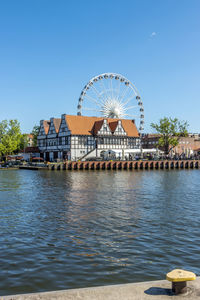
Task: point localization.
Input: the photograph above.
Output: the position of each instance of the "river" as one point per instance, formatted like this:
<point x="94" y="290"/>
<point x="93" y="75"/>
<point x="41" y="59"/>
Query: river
<point x="71" y="229"/>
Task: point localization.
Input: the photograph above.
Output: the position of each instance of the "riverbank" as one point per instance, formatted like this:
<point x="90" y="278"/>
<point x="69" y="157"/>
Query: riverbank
<point x="113" y="165"/>
<point x="126" y="165"/>
<point x="158" y="290"/>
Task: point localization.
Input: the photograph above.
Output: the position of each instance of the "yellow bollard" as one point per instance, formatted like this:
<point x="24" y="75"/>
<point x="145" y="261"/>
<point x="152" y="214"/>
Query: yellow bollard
<point x="179" y="280"/>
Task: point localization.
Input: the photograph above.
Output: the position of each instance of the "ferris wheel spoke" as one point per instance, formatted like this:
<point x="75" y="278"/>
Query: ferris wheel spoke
<point x="130" y="107"/>
<point x="93" y="100"/>
<point x="132" y="116"/>
<point x="105" y="93"/>
<point x="124" y="93"/>
<point x="128" y="100"/>
<point x="118" y="90"/>
<point x="111" y="88"/>
<point x="115" y="93"/>
<point x="98" y="94"/>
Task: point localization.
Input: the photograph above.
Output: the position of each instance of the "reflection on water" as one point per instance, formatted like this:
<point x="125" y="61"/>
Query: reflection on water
<point x="64" y="230"/>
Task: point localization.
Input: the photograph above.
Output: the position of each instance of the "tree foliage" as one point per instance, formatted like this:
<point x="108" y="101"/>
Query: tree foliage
<point x="35" y="133"/>
<point x="10" y="137"/>
<point x="170" y="131"/>
<point x="23" y="141"/>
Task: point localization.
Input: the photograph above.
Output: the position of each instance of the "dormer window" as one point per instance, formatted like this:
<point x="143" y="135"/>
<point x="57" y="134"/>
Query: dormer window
<point x="105" y="128"/>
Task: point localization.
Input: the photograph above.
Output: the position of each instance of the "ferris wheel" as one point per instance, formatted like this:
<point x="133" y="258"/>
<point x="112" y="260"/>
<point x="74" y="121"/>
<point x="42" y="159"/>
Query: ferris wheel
<point x="112" y="96"/>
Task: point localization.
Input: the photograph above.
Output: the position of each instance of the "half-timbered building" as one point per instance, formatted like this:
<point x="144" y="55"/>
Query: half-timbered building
<point x="80" y="137"/>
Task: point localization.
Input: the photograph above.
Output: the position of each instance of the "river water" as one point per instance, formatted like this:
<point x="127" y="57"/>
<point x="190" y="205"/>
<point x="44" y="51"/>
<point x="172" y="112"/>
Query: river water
<point x="63" y="229"/>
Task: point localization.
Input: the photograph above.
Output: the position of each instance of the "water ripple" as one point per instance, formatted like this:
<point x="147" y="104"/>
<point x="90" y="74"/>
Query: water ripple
<point x="74" y="229"/>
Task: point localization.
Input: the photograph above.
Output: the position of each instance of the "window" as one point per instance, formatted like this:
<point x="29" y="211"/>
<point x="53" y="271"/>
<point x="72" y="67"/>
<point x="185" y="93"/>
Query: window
<point x="132" y="142"/>
<point x="82" y="140"/>
<point x="100" y="141"/>
<point x="105" y="128"/>
<point x="90" y="141"/>
<point x="66" y="140"/>
<point x="60" y="141"/>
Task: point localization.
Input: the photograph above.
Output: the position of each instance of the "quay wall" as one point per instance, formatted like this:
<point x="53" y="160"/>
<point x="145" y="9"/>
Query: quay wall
<point x="126" y="165"/>
<point x="154" y="290"/>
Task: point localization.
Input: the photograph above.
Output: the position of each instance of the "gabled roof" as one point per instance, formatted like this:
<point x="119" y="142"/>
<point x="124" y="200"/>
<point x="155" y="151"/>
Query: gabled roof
<point x="46" y="125"/>
<point x="97" y="126"/>
<point x="130" y="127"/>
<point x="81" y="125"/>
<point x="113" y="125"/>
<point x="56" y="124"/>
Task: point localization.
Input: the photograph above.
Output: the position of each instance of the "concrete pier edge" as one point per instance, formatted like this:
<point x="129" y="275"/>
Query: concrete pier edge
<point x="158" y="290"/>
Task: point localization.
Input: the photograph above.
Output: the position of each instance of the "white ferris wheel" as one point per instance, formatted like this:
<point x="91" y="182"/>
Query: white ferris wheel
<point x="112" y="96"/>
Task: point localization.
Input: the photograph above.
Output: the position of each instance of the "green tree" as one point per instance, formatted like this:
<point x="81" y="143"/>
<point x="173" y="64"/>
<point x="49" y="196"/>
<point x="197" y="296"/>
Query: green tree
<point x="10" y="136"/>
<point x="23" y="141"/>
<point x="170" y="131"/>
<point x="35" y="133"/>
<point x="3" y="127"/>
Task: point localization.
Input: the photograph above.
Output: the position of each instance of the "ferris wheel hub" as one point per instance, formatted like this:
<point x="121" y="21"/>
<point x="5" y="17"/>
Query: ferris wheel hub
<point x="112" y="108"/>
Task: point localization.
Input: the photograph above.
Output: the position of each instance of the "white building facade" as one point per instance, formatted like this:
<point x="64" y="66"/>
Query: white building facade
<point x="79" y="137"/>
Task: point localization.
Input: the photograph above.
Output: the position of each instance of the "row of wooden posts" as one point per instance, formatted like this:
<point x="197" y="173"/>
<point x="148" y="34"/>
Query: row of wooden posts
<point x="126" y="165"/>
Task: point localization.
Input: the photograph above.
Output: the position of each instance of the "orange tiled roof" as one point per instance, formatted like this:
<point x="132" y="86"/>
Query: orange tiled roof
<point x="81" y="125"/>
<point x="56" y="124"/>
<point x="46" y="125"/>
<point x="130" y="127"/>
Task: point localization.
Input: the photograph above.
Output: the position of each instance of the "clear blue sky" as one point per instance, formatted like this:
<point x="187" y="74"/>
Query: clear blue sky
<point x="49" y="49"/>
